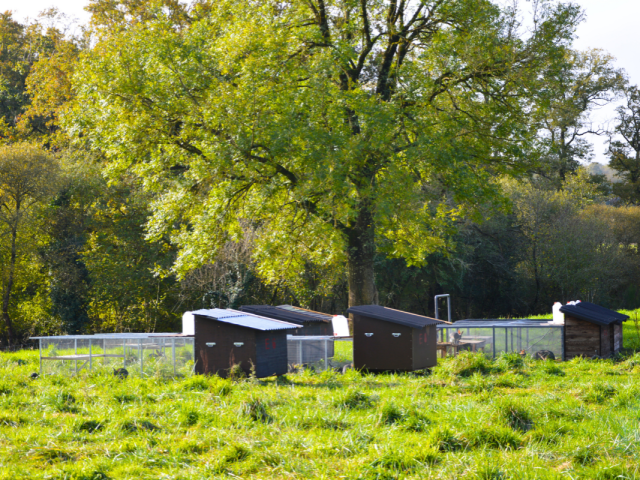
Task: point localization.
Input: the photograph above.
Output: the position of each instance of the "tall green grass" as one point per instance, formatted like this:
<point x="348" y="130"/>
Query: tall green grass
<point x="470" y="418"/>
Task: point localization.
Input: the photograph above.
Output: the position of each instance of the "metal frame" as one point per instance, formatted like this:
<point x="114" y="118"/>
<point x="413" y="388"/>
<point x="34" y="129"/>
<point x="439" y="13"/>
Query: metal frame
<point x="508" y="327"/>
<point x="448" y="297"/>
<point x="130" y="341"/>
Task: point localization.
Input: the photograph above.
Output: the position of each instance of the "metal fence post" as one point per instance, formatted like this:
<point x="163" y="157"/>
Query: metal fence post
<point x="173" y="354"/>
<point x="141" y="357"/>
<point x="326" y="360"/>
<point x="75" y="351"/>
<point x="506" y="340"/>
<point x="494" y="342"/>
<point x="90" y="364"/>
<point x="40" y="353"/>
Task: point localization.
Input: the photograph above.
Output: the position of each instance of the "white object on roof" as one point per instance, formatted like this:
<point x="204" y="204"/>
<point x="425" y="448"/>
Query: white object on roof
<point x="188" y="324"/>
<point x="340" y="326"/>
<point x="558" y="316"/>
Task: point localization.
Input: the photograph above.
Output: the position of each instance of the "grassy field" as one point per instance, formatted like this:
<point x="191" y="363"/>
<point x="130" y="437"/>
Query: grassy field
<point x="471" y="418"/>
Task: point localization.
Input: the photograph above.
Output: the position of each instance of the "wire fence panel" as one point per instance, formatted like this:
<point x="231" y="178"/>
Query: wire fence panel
<point x="138" y="354"/>
<point x="494" y="340"/>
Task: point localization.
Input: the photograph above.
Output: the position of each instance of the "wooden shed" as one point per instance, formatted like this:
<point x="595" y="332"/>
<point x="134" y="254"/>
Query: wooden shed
<point x="387" y="339"/>
<point x="591" y="330"/>
<point x="314" y="323"/>
<point x="224" y="338"/>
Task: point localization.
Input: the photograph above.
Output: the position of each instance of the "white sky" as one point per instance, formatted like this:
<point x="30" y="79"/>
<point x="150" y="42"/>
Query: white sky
<point x="610" y="25"/>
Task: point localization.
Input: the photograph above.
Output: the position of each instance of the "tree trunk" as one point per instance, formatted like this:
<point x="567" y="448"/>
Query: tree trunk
<point x="361" y="238"/>
<point x="9" y="286"/>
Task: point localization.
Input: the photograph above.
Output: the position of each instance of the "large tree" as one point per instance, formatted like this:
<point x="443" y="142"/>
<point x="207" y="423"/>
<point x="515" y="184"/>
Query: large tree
<point x="624" y="147"/>
<point x="27" y="179"/>
<point x="335" y="127"/>
<point x="584" y="82"/>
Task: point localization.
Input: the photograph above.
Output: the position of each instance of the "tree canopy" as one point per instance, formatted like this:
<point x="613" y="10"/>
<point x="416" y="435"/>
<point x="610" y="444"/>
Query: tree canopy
<point x="336" y="128"/>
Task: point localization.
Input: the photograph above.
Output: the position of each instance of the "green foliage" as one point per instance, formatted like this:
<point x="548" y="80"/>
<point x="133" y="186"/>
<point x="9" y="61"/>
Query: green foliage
<point x="296" y="123"/>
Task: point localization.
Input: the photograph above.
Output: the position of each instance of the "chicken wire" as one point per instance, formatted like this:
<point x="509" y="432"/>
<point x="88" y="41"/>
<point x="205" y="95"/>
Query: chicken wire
<point x="309" y="350"/>
<point x="496" y="337"/>
<point x="139" y="354"/>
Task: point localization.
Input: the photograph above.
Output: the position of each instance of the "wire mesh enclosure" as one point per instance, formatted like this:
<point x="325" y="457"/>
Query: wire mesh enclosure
<point x="493" y="337"/>
<point x="139" y="353"/>
<point x="310" y="350"/>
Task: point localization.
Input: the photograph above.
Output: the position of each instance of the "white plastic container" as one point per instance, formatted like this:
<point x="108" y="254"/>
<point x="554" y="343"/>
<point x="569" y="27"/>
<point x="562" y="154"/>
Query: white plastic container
<point x="558" y="316"/>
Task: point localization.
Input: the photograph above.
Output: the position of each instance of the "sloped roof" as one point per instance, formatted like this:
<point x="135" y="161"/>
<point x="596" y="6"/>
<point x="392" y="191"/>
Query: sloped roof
<point x="394" y="316"/>
<point x="246" y="320"/>
<point x="287" y="313"/>
<point x="590" y="312"/>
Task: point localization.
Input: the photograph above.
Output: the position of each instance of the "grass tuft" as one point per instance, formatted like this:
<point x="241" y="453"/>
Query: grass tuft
<point x="90" y="426"/>
<point x="468" y="363"/>
<point x="355" y="400"/>
<point x="515" y="415"/>
<point x="257" y="410"/>
<point x="133" y="426"/>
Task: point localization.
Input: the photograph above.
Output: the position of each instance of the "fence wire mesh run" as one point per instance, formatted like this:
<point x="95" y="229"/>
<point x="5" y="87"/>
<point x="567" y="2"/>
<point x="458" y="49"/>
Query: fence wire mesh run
<point x="310" y="350"/>
<point x="139" y="354"/>
<point x="493" y="337"/>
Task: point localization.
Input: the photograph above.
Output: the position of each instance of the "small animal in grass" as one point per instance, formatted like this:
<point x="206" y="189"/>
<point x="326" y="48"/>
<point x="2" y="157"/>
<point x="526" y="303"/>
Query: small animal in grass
<point x="121" y="372"/>
<point x="34" y="375"/>
<point x="544" y="355"/>
<point x="523" y="353"/>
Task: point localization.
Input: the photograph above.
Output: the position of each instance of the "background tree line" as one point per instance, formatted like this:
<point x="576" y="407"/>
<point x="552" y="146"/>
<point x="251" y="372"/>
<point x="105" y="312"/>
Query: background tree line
<point x="166" y="158"/>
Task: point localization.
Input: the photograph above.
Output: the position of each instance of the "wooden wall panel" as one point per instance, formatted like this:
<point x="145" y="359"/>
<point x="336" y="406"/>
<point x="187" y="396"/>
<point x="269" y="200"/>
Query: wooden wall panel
<point x="605" y="341"/>
<point x="424" y="347"/>
<point x="382" y="350"/>
<point x="271" y="353"/>
<point x="224" y="354"/>
<point x="617" y="338"/>
<point x="581" y="338"/>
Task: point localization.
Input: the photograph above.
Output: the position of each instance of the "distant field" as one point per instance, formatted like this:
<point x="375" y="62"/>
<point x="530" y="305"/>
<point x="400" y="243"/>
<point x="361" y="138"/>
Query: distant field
<point x="471" y="418"/>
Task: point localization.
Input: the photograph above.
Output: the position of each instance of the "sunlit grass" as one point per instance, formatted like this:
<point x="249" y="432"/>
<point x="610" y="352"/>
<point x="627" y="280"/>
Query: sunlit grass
<point x="470" y="418"/>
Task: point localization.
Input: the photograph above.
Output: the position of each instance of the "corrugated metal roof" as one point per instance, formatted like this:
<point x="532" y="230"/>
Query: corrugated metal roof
<point x="287" y="313"/>
<point x="394" y="316"/>
<point x="592" y="313"/>
<point x="246" y="320"/>
<point x="318" y="316"/>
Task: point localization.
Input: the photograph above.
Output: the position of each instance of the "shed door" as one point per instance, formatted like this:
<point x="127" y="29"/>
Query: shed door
<point x="219" y="346"/>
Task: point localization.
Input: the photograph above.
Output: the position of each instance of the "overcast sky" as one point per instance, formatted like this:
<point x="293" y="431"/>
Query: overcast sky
<point x="610" y="25"/>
